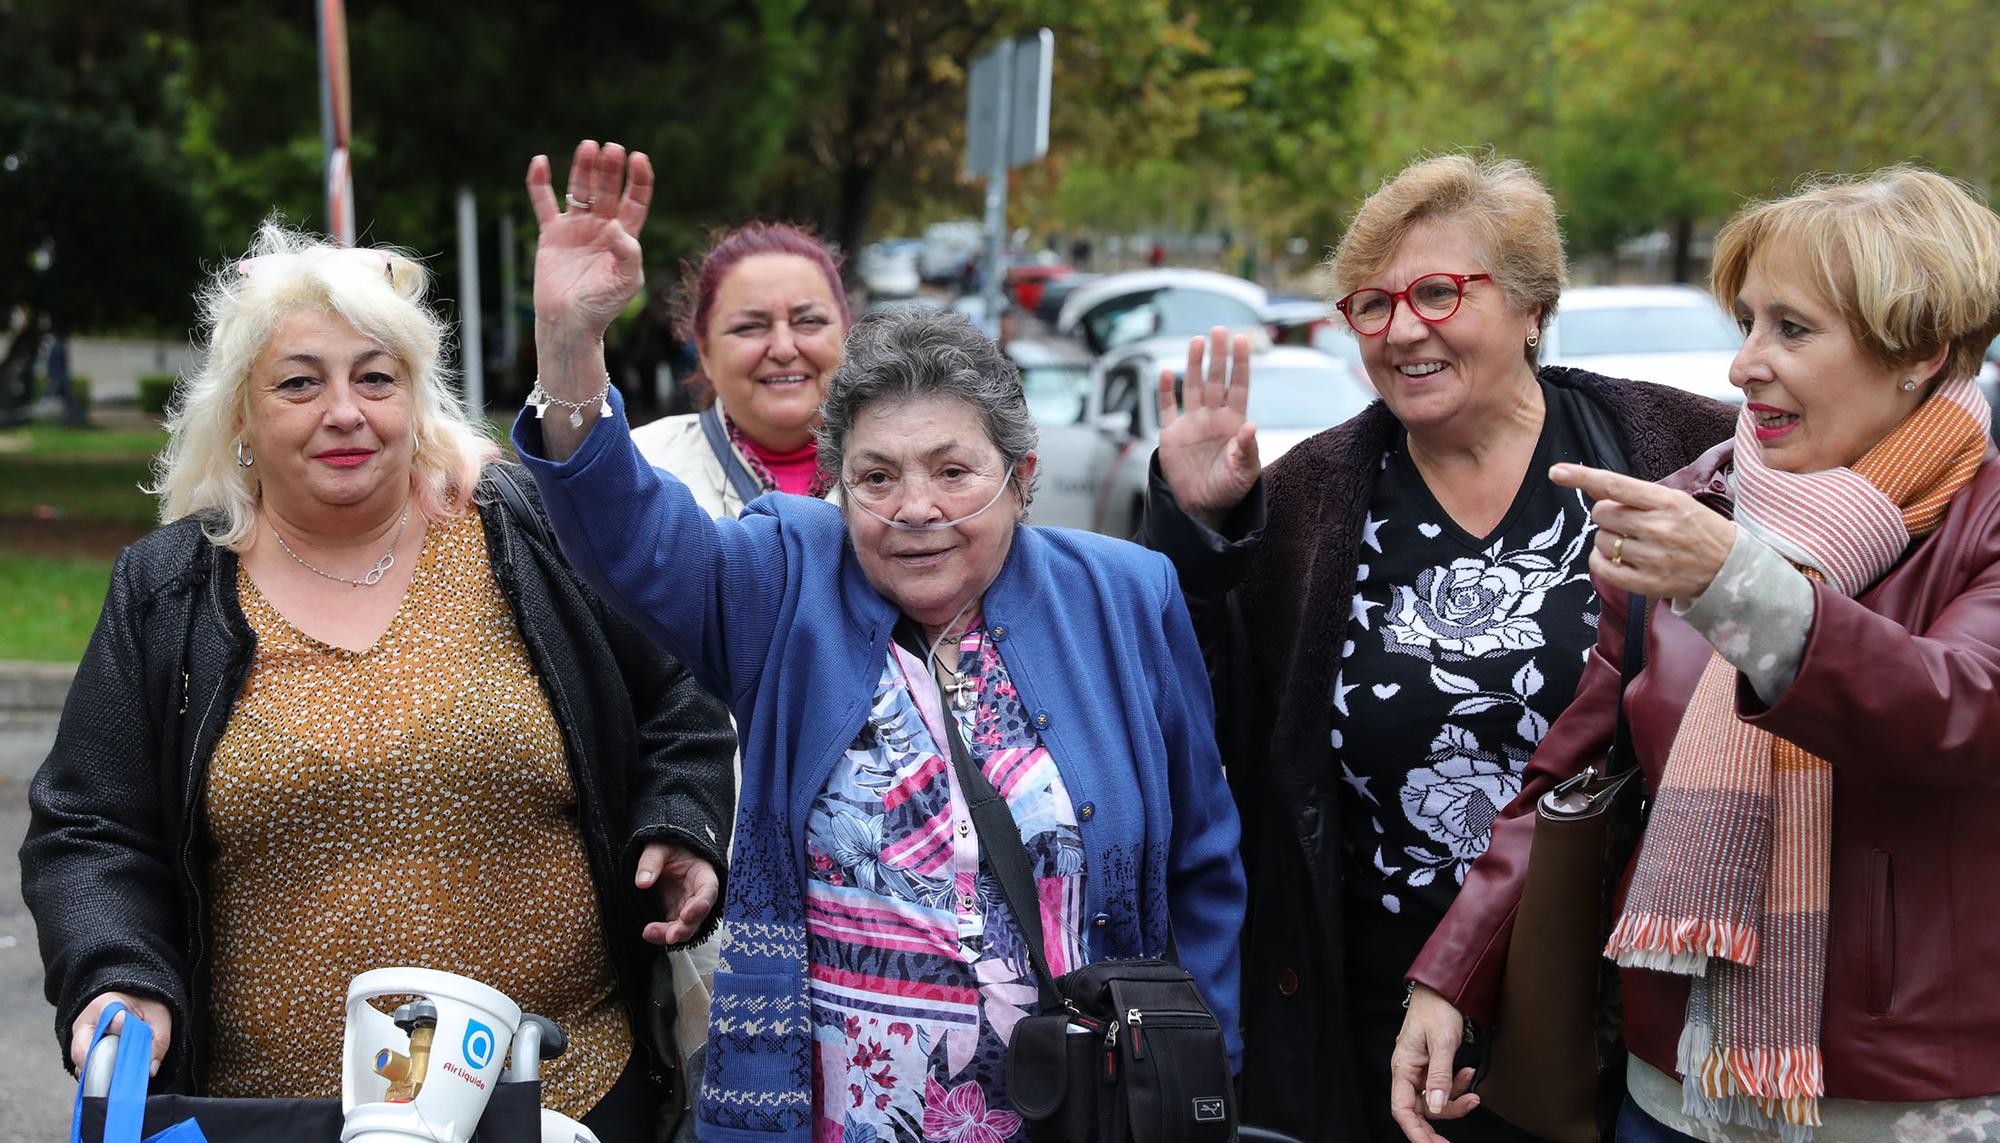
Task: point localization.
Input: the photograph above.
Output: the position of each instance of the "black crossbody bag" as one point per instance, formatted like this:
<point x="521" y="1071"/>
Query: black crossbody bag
<point x="1120" y="1050"/>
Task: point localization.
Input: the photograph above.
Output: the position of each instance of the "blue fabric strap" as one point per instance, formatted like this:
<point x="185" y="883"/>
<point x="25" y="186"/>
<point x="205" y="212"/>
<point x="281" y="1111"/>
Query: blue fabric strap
<point x="747" y="488"/>
<point x="125" y="1107"/>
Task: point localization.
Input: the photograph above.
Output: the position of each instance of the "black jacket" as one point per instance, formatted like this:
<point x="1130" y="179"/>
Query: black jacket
<point x="114" y="861"/>
<point x="1271" y="598"/>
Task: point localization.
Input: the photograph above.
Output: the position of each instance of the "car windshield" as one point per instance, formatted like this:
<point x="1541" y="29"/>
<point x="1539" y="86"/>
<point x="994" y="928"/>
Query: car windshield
<point x="1169" y="312"/>
<point x="1646" y="329"/>
<point x="1055" y="393"/>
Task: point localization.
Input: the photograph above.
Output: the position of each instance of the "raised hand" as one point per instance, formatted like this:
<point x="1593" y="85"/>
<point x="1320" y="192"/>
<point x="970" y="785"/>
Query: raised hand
<point x="1208" y="448"/>
<point x="587" y="264"/>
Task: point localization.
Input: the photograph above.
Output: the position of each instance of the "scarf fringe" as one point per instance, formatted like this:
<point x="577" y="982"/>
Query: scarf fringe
<point x="1683" y="946"/>
<point x="1766" y="1089"/>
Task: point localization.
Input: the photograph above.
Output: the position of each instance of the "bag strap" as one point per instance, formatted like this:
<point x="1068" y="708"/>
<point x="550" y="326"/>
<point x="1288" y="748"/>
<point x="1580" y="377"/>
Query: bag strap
<point x="125" y="1104"/>
<point x="1622" y="757"/>
<point x="999" y="833"/>
<point x="506" y="481"/>
<point x="747" y="488"/>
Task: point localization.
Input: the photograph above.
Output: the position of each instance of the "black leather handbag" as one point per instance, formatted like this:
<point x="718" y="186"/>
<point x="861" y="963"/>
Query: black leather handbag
<point x="1120" y="1050"/>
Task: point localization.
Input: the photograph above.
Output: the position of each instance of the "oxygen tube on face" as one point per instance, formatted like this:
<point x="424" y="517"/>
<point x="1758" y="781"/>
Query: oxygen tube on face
<point x="931" y="645"/>
<point x="940" y="525"/>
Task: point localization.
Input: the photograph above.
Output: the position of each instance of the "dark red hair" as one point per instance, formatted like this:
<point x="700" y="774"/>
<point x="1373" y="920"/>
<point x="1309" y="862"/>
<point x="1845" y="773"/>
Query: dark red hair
<point x="699" y="282"/>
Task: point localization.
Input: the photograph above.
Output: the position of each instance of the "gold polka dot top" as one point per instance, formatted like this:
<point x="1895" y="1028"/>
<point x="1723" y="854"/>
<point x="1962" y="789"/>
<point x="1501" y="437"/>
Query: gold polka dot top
<point x="407" y="805"/>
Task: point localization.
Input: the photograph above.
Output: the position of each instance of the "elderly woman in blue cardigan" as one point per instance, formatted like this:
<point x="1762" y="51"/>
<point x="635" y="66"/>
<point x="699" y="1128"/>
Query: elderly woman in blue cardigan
<point x="872" y="970"/>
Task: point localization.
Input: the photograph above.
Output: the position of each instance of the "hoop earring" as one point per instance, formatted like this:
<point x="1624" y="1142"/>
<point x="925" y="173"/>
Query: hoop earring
<point x="244" y="455"/>
<point x="1534" y="339"/>
<point x="416" y="445"/>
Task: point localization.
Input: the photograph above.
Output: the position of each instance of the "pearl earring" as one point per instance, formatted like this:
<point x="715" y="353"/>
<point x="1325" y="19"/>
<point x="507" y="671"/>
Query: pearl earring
<point x="1910" y="386"/>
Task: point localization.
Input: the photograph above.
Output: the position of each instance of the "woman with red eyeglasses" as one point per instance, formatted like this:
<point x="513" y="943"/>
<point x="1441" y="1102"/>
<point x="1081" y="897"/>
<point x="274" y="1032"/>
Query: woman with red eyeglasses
<point x="1396" y="611"/>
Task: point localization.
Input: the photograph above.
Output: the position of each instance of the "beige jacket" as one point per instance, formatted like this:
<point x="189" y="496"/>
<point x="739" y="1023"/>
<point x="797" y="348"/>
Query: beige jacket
<point x="676" y="445"/>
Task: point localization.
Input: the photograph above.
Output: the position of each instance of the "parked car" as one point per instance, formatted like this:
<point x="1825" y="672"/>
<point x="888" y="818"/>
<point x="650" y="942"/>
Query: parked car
<point x="1025" y="282"/>
<point x="1093" y="466"/>
<point x="948" y="246"/>
<point x="1055" y="377"/>
<point x="1989" y="383"/>
<point x="1119" y="309"/>
<point x="1671" y="335"/>
<point x="1055" y="292"/>
<point x="889" y="268"/>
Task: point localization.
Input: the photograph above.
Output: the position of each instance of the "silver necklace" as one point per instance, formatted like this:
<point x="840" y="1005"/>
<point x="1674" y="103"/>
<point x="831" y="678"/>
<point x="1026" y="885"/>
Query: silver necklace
<point x="375" y="573"/>
<point x="960" y="683"/>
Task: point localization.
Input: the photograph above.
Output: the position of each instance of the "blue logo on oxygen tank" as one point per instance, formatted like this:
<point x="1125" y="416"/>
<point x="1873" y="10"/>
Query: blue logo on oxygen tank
<point x="478" y="1044"/>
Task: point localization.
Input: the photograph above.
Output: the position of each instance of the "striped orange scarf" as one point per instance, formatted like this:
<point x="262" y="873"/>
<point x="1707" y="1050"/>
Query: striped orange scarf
<point x="1732" y="882"/>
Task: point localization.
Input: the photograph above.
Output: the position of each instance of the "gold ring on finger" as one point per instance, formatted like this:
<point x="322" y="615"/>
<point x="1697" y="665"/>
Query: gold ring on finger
<point x="1618" y="550"/>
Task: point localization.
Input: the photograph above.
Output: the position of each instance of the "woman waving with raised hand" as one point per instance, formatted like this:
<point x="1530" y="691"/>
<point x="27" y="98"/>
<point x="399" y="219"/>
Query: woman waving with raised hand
<point x="873" y="969"/>
<point x="1412" y="607"/>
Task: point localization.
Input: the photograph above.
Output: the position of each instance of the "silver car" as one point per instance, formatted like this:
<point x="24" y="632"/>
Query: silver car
<point x="1095" y="452"/>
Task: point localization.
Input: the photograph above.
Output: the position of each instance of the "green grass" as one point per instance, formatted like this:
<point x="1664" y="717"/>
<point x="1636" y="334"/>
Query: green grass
<point x="58" y="440"/>
<point x="48" y="606"/>
<point x="49" y="476"/>
<point x="78" y="474"/>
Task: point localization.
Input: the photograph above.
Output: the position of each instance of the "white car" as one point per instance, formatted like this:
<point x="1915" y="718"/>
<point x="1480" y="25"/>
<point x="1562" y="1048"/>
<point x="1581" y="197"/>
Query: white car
<point x="1119" y="309"/>
<point x="1095" y="453"/>
<point x="889" y="268"/>
<point x="1670" y="335"/>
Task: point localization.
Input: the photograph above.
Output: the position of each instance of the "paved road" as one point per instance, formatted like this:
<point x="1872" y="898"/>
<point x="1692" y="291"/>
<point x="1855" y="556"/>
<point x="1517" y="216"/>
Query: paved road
<point x="35" y="1091"/>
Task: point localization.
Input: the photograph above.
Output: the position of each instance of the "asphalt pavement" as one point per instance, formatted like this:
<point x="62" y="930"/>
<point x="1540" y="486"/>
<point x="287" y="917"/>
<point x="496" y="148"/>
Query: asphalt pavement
<point x="35" y="1090"/>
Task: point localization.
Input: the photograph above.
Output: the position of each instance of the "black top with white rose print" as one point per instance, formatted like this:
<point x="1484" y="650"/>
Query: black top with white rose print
<point x="1460" y="650"/>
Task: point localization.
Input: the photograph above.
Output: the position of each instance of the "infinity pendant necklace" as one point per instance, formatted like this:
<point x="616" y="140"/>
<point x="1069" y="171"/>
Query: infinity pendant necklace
<point x="374" y="574"/>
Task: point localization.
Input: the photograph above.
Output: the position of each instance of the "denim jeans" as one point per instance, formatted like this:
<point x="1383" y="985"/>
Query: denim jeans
<point x="1635" y="1126"/>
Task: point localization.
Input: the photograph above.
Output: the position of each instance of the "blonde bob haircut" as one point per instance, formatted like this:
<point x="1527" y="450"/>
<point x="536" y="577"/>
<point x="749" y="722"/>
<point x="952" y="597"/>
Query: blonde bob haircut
<point x="380" y="292"/>
<point x="1502" y="203"/>
<point x="1910" y="258"/>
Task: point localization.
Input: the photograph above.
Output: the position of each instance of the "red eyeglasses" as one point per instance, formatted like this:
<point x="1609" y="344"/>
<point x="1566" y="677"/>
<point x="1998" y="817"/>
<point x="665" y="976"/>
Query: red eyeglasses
<point x="1433" y="298"/>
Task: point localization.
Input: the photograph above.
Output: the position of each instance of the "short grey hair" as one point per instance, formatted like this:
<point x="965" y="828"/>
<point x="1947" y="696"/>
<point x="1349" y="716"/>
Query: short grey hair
<point x="905" y="353"/>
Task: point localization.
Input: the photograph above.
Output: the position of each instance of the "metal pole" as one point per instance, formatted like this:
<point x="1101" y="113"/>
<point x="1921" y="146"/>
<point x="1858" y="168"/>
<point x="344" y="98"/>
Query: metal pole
<point x="996" y="188"/>
<point x="510" y="318"/>
<point x="471" y="350"/>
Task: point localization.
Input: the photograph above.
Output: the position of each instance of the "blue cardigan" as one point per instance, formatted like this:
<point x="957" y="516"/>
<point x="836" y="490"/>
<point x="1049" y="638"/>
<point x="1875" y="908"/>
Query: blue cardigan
<point x="773" y="612"/>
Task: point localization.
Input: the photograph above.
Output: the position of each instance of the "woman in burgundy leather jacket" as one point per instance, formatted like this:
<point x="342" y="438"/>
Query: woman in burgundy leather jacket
<point x="1806" y="930"/>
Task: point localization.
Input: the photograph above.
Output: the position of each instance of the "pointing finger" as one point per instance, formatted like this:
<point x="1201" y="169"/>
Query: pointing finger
<point x="1603" y="484"/>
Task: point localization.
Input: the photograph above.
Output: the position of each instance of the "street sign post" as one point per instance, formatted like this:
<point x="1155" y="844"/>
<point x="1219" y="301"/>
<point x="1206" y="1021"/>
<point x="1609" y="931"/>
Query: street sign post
<point x="1006" y="126"/>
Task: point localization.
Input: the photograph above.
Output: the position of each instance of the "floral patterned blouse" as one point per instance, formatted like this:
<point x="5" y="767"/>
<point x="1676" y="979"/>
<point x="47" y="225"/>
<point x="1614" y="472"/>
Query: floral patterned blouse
<point x="917" y="970"/>
<point x="1460" y="651"/>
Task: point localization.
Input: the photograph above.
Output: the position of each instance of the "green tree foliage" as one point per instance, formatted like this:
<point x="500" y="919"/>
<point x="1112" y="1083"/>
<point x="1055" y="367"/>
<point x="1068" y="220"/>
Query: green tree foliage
<point x="98" y="228"/>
